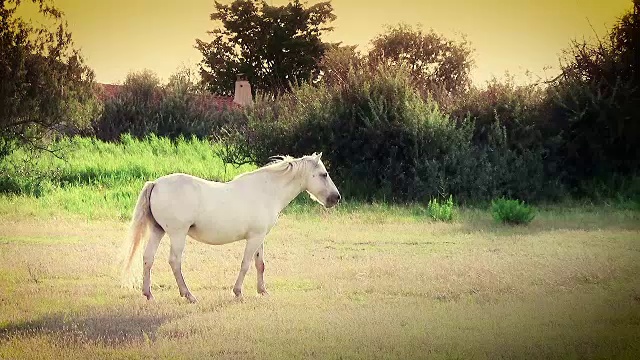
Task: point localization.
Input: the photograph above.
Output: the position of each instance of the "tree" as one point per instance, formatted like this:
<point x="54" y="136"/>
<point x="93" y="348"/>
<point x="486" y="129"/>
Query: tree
<point x="133" y="109"/>
<point x="625" y="39"/>
<point x="338" y="61"/>
<point x="273" y="45"/>
<point x="439" y="67"/>
<point x="595" y="105"/>
<point x="44" y="85"/>
<point x="143" y="86"/>
<point x="184" y="81"/>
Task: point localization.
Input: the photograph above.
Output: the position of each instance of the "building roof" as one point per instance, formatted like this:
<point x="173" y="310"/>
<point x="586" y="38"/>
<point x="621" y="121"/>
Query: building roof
<point x="109" y="91"/>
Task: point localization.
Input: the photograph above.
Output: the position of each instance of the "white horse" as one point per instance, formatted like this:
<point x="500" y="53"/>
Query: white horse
<point x="220" y="213"/>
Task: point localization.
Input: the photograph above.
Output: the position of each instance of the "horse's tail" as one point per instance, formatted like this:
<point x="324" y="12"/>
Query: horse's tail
<point x="139" y="224"/>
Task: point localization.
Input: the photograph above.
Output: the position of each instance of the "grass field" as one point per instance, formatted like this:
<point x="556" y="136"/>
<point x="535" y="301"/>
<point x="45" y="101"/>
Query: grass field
<point x="357" y="281"/>
<point x="372" y="283"/>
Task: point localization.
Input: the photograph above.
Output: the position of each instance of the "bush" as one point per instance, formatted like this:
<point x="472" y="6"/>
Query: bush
<point x="594" y="107"/>
<point x="374" y="129"/>
<point x="443" y="211"/>
<point x="382" y="141"/>
<point x="517" y="109"/>
<point x="510" y="211"/>
<point x="143" y="107"/>
<point x="507" y="119"/>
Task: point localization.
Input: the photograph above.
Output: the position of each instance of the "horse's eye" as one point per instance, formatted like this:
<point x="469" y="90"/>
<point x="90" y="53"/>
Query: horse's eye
<point x="324" y="175"/>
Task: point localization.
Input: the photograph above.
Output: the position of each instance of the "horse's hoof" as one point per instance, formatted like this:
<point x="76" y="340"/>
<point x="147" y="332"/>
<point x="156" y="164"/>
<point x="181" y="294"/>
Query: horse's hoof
<point x="263" y="292"/>
<point x="239" y="298"/>
<point x="148" y="296"/>
<point x="192" y="299"/>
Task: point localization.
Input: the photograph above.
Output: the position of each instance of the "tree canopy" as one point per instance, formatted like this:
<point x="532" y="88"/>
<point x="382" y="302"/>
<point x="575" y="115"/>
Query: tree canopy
<point x="438" y="66"/>
<point x="596" y="103"/>
<point x="273" y="46"/>
<point x="338" y="61"/>
<point x="44" y="84"/>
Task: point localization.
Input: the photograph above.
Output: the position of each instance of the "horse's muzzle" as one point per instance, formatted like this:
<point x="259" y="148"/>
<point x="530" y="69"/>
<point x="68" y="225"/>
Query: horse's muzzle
<point x="333" y="199"/>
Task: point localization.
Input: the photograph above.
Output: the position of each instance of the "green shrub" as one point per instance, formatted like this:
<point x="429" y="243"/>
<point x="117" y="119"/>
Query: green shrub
<point x="507" y="135"/>
<point x="142" y="107"/>
<point x="369" y="128"/>
<point x="510" y="211"/>
<point x="594" y="106"/>
<point x="441" y="211"/>
<point x="383" y="142"/>
<point x="374" y="130"/>
<point x="515" y="109"/>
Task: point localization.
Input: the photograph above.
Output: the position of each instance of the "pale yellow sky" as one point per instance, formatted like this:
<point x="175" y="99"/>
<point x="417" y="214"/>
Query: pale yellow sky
<point x="118" y="36"/>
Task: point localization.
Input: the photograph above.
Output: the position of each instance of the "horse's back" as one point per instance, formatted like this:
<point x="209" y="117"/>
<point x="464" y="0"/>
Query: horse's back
<point x="175" y="200"/>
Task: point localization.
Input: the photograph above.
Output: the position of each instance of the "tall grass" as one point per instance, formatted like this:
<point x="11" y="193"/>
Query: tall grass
<point x="101" y="179"/>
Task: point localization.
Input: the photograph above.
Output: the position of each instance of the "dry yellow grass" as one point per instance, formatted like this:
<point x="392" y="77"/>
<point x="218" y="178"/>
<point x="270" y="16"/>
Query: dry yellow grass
<point x="362" y="284"/>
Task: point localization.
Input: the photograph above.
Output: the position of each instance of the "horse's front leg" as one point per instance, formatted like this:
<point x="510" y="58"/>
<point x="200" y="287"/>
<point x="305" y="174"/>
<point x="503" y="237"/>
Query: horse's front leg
<point x="253" y="244"/>
<point x="259" y="261"/>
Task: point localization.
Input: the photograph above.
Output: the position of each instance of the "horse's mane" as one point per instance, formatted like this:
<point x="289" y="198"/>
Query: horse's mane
<point x="280" y="164"/>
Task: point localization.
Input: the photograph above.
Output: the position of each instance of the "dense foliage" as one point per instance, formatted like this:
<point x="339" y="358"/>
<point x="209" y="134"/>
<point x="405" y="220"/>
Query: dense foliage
<point x="594" y="106"/>
<point x="384" y="141"/>
<point x="143" y="107"/>
<point x="274" y="46"/>
<point x="400" y="123"/>
<point x="439" y="67"/>
<point x="44" y="85"/>
<point x="513" y="212"/>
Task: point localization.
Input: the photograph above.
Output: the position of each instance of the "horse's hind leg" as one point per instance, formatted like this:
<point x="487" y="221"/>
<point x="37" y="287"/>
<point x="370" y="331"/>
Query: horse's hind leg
<point x="155" y="235"/>
<point x="178" y="242"/>
<point x="259" y="261"/>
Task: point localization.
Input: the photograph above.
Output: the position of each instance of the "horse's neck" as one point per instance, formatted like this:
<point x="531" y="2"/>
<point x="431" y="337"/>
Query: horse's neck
<point x="279" y="189"/>
<point x="285" y="188"/>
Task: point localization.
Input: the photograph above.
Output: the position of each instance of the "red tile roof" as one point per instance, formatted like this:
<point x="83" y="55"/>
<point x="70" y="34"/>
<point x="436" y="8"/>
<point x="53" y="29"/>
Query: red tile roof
<point x="109" y="91"/>
<point x="217" y="101"/>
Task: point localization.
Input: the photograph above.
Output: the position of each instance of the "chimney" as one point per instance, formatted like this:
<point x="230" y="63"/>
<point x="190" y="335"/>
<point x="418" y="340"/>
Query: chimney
<point x="242" y="95"/>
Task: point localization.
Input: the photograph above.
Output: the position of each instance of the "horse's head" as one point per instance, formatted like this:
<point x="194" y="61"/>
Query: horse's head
<point x="319" y="184"/>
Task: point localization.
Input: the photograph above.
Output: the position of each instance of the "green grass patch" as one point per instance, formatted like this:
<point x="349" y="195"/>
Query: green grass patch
<point x="443" y="210"/>
<point x="102" y="180"/>
<point x="512" y="212"/>
<point x="99" y="180"/>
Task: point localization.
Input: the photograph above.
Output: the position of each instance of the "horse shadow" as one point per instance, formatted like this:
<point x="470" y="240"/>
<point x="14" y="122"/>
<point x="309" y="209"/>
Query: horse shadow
<point x="114" y="329"/>
<point x="111" y="326"/>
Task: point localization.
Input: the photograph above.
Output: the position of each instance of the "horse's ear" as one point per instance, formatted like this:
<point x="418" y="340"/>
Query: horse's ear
<point x="317" y="156"/>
